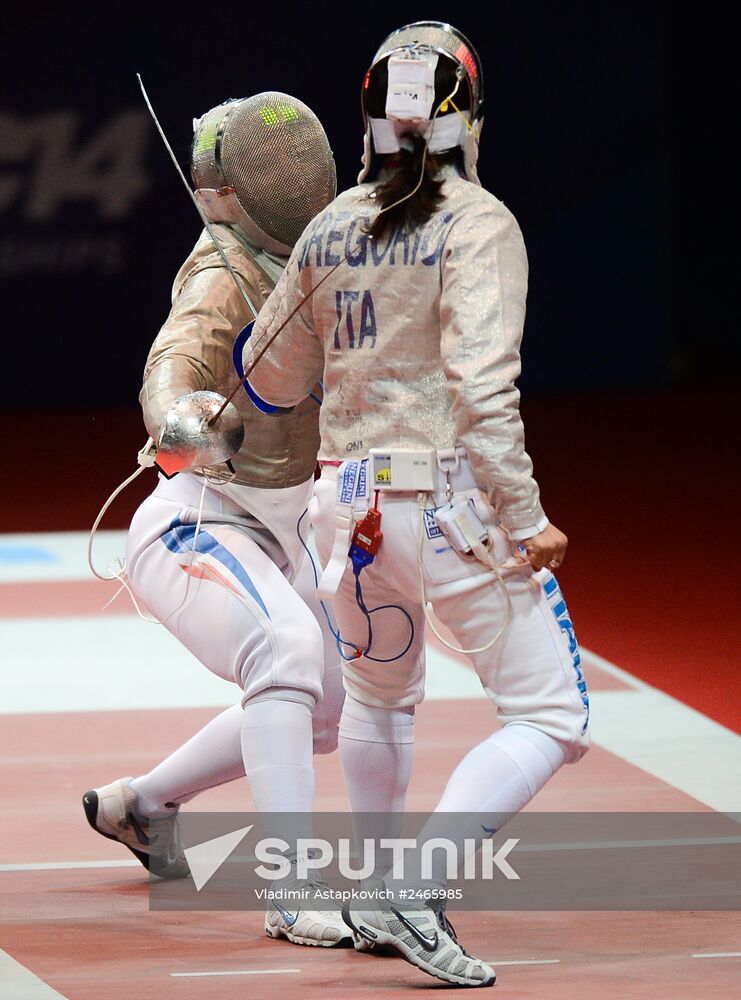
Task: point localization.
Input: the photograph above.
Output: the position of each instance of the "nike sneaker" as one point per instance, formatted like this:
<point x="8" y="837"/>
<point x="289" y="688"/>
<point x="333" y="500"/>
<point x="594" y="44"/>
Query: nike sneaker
<point x="320" y="928"/>
<point x="111" y="810"/>
<point x="423" y="937"/>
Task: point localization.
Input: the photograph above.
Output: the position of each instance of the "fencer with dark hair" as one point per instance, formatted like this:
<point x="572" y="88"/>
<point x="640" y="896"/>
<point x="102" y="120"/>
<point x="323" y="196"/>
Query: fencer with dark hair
<point x="427" y="493"/>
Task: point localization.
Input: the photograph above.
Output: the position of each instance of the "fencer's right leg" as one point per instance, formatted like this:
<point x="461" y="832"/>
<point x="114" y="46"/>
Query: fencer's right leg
<point x="141" y="812"/>
<point x="533" y="675"/>
<point x="277" y="738"/>
<point x="231" y="606"/>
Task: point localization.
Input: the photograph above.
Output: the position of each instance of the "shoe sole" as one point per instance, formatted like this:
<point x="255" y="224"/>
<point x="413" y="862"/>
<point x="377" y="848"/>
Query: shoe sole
<point x="390" y="940"/>
<point x="278" y="932"/>
<point x="90" y="804"/>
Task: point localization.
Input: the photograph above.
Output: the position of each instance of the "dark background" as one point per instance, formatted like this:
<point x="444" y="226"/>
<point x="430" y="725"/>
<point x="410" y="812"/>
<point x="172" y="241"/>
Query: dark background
<point x="605" y="133"/>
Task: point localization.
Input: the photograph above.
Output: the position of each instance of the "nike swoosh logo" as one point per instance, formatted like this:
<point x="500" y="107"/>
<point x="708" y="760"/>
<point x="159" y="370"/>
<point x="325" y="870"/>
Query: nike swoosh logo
<point x="428" y="943"/>
<point x="140" y="834"/>
<point x="290" y="918"/>
<point x="171" y="854"/>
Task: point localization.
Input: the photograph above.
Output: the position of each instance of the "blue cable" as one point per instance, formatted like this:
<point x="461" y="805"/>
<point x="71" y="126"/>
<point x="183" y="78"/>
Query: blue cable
<point x="335" y="632"/>
<point x="357" y="567"/>
<point x="359" y="560"/>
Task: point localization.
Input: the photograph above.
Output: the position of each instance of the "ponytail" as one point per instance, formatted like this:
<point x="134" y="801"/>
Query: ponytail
<point x="409" y="211"/>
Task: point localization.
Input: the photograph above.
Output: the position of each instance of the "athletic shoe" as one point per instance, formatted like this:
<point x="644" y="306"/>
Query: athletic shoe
<point x="320" y="928"/>
<point x="111" y="810"/>
<point x="424" y="938"/>
<point x="362" y="944"/>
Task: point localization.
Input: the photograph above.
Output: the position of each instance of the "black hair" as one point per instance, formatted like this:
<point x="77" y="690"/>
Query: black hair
<point x="407" y="165"/>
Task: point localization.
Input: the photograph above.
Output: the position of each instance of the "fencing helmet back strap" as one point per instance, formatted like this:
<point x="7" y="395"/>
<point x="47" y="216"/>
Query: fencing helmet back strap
<point x="264" y="165"/>
<point x="411" y="57"/>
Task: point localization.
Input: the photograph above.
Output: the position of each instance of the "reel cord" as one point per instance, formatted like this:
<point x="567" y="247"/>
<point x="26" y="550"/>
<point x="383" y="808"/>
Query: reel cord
<point x="367" y="612"/>
<point x="339" y="641"/>
<point x="422" y="502"/>
<point x="119" y="566"/>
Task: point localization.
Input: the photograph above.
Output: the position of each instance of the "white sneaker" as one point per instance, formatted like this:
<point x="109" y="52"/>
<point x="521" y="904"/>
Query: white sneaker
<point x="362" y="944"/>
<point x="424" y="938"/>
<point x="111" y="810"/>
<point x="320" y="928"/>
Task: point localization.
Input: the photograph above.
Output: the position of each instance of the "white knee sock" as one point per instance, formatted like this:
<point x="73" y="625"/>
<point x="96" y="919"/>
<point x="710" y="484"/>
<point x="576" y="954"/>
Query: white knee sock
<point x="277" y="751"/>
<point x="212" y="757"/>
<point x="495" y="779"/>
<point x="503" y="773"/>
<point x="377" y="752"/>
<point x="277" y="748"/>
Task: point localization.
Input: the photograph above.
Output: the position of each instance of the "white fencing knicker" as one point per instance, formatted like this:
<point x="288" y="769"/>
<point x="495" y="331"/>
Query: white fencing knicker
<point x="533" y="672"/>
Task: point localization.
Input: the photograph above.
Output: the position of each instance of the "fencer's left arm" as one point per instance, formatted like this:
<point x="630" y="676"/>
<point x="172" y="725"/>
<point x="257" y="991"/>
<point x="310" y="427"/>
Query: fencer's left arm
<point x="482" y="314"/>
<point x="294" y="362"/>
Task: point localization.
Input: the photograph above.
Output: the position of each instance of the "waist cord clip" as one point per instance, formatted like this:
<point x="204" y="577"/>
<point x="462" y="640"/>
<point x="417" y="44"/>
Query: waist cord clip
<point x="448" y="461"/>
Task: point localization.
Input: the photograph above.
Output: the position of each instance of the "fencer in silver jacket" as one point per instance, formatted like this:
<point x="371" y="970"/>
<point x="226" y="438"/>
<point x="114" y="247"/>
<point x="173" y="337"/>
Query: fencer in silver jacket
<point x="217" y="555"/>
<point x="416" y="335"/>
<point x="193" y="351"/>
<point x="409" y="364"/>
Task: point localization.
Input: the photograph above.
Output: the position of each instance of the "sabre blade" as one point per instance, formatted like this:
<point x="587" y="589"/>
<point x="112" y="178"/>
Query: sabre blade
<point x="206" y="223"/>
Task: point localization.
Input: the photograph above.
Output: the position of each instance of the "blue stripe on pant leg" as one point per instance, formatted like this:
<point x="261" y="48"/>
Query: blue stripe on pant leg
<point x="561" y="614"/>
<point x="180" y="539"/>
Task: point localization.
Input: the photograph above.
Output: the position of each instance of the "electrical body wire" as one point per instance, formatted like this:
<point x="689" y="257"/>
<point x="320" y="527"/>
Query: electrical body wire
<point x="119" y="571"/>
<point x="495" y="569"/>
<point x="339" y="641"/>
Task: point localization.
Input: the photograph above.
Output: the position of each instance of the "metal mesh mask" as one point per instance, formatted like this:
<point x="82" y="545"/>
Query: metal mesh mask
<point x="445" y="40"/>
<point x="263" y="164"/>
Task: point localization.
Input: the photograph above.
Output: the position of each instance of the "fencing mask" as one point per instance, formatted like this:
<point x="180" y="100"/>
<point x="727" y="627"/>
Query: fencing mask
<point x="409" y="67"/>
<point x="264" y="165"/>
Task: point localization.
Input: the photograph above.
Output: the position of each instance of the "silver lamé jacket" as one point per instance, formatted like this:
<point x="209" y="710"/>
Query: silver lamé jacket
<point x="193" y="350"/>
<point x="416" y="338"/>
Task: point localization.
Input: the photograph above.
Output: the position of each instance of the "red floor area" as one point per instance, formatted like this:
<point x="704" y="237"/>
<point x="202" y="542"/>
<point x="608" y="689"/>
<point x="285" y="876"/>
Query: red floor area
<point x="108" y="944"/>
<point x="51" y="759"/>
<point x="645" y="486"/>
<point x="89" y="934"/>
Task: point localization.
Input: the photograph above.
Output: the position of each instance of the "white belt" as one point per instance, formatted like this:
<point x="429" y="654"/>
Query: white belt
<point x="452" y="465"/>
<point x="454" y="474"/>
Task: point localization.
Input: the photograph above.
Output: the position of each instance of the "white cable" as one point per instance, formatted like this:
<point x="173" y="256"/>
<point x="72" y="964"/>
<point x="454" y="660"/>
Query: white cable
<point x="121" y="575"/>
<point x="145" y="460"/>
<point x="99" y="518"/>
<point x="450" y="97"/>
<point x="422" y="502"/>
